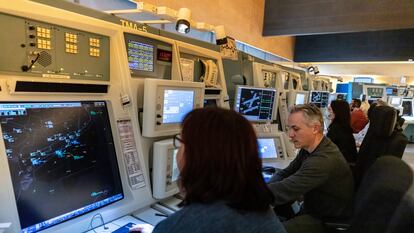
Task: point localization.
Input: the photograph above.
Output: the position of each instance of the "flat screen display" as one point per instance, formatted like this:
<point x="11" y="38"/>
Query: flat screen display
<point x="375" y="92"/>
<point x="396" y="101"/>
<point x="140" y="56"/>
<point x="256" y="104"/>
<point x="177" y="103"/>
<point x="389" y="91"/>
<point x="175" y="170"/>
<point x="407" y="108"/>
<point x="319" y="98"/>
<point x="62" y="160"/>
<point x="267" y="148"/>
<point x="300" y="98"/>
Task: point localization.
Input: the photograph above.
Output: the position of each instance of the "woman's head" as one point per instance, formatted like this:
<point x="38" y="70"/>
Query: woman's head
<point x="220" y="161"/>
<point x="341" y="113"/>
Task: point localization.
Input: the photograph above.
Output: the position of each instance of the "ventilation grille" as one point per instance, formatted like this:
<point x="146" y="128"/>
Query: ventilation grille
<point x="45" y="59"/>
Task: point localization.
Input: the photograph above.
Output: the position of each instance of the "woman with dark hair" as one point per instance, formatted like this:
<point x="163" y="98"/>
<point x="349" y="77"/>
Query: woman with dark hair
<point x="220" y="177"/>
<point x="340" y="131"/>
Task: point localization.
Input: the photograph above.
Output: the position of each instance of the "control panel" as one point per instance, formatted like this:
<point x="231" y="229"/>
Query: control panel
<point x="34" y="48"/>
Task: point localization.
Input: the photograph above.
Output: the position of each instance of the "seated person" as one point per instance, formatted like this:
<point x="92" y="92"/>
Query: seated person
<point x="359" y="137"/>
<point x="340" y="131"/>
<point x="319" y="174"/>
<point x="358" y="117"/>
<point x="364" y="104"/>
<point x="220" y="177"/>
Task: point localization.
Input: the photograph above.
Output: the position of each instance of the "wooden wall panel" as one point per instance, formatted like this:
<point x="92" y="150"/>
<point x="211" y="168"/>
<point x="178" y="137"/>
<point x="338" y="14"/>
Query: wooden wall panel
<point x="242" y="19"/>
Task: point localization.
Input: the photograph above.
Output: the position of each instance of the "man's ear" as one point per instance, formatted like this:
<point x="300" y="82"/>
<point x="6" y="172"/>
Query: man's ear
<point x="316" y="128"/>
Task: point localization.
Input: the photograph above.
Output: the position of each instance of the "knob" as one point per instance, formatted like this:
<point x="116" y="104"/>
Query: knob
<point x="32" y="36"/>
<point x="32" y="27"/>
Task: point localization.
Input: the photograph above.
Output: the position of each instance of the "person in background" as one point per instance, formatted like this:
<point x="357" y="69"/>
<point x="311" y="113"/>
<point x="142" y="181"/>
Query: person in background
<point x="340" y="131"/>
<point x="319" y="174"/>
<point x="364" y="104"/>
<point x="220" y="177"/>
<point x="358" y="118"/>
<point x="359" y="137"/>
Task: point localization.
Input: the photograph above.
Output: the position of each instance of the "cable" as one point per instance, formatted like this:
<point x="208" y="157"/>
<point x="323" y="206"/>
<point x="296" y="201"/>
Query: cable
<point x="103" y="222"/>
<point x="26" y="68"/>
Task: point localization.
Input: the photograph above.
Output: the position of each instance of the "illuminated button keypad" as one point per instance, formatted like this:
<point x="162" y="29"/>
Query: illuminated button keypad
<point x="94" y="52"/>
<point x="43" y="32"/>
<point x="71" y="38"/>
<point x="71" y="48"/>
<point x="94" y="42"/>
<point x="43" y="44"/>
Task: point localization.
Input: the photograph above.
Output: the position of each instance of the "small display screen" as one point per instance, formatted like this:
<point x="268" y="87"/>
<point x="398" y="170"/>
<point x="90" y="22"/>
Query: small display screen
<point x="164" y="55"/>
<point x="300" y="98"/>
<point x="256" y="104"/>
<point x="62" y="160"/>
<point x="389" y="91"/>
<point x="375" y="92"/>
<point x="407" y="108"/>
<point x="175" y="170"/>
<point x="177" y="103"/>
<point x="319" y="98"/>
<point x="396" y="101"/>
<point x="267" y="148"/>
<point x="140" y="56"/>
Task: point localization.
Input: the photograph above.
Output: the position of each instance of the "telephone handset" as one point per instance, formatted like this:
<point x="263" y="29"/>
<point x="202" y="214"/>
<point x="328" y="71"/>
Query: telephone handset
<point x="210" y="73"/>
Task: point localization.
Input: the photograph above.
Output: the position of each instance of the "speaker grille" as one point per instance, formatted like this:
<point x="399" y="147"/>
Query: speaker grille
<point x="45" y="59"/>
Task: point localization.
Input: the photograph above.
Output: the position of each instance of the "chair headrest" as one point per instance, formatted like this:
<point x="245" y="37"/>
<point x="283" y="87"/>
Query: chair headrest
<point x="383" y="119"/>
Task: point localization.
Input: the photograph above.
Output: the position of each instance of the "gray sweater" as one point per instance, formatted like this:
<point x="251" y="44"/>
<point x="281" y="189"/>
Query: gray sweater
<point x="322" y="177"/>
<point x="219" y="218"/>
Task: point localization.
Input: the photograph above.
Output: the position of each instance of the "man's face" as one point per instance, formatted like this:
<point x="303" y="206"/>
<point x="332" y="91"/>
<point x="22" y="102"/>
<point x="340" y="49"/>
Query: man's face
<point x="301" y="133"/>
<point x="352" y="105"/>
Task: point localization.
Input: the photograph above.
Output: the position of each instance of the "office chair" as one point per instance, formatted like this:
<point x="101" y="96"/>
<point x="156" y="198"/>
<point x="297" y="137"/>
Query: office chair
<point x="403" y="219"/>
<point x="382" y="138"/>
<point x="383" y="187"/>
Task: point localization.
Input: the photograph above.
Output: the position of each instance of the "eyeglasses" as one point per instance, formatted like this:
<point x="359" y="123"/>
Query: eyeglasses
<point x="177" y="141"/>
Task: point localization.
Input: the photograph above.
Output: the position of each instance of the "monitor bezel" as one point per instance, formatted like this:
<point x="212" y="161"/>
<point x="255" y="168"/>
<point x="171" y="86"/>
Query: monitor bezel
<point x="110" y="117"/>
<point x="241" y="87"/>
<point x="270" y="160"/>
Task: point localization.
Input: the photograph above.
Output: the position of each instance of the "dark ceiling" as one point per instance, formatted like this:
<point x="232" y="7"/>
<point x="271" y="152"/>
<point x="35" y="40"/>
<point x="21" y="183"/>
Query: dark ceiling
<point x="344" y="30"/>
<point x="309" y="17"/>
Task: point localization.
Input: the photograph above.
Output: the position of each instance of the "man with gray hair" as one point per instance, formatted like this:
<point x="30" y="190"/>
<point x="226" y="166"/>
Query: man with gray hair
<point x="319" y="174"/>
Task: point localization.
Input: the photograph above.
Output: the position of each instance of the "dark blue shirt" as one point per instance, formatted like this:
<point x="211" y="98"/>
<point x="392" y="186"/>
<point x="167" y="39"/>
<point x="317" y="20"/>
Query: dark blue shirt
<point x="219" y="218"/>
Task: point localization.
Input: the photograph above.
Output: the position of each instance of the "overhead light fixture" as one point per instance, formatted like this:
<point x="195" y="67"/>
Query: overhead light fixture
<point x="183" y="20"/>
<point x="182" y="17"/>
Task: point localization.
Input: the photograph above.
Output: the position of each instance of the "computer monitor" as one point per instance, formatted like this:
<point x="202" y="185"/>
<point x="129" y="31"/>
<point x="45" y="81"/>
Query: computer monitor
<point x="395" y="101"/>
<point x="391" y="91"/>
<point x="148" y="57"/>
<point x="61" y="158"/>
<point x="375" y="92"/>
<point x="407" y="107"/>
<point x="319" y="98"/>
<point x="256" y="103"/>
<point x="300" y="98"/>
<point x="166" y="103"/>
<point x="165" y="170"/>
<point x="267" y="149"/>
